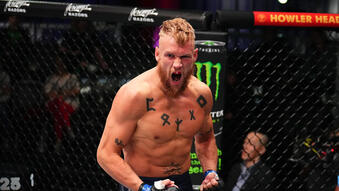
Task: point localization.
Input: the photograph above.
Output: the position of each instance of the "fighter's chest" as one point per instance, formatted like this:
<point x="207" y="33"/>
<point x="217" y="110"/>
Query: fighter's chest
<point x="179" y="117"/>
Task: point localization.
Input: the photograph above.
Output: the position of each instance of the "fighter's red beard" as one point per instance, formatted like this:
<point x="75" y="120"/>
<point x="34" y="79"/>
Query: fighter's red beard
<point x="170" y="90"/>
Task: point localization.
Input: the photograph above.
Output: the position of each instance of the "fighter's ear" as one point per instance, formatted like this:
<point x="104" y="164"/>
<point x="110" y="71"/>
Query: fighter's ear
<point x="195" y="54"/>
<point x="156" y="53"/>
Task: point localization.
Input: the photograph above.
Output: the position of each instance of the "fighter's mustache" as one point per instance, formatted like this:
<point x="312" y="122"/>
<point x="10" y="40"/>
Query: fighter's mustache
<point x="175" y="76"/>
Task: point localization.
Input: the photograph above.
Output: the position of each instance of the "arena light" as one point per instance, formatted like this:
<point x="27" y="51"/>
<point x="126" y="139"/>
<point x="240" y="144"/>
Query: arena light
<point x="282" y="1"/>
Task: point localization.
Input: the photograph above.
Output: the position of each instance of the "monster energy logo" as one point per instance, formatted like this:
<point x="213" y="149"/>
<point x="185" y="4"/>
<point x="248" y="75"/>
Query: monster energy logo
<point x="210" y="43"/>
<point x="209" y="65"/>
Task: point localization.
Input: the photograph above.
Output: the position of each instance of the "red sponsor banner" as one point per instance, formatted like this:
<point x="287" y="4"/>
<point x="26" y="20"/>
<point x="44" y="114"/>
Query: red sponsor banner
<point x="295" y="19"/>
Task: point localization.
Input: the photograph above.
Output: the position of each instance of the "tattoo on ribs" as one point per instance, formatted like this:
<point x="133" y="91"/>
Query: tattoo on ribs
<point x="119" y="142"/>
<point x="201" y="101"/>
<point x="173" y="168"/>
<point x="148" y="100"/>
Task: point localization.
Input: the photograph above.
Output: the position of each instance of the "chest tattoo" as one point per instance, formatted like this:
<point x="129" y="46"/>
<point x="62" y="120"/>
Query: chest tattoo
<point x="201" y="101"/>
<point x="148" y="100"/>
<point x="178" y="121"/>
<point x="165" y="118"/>
<point x="192" y="114"/>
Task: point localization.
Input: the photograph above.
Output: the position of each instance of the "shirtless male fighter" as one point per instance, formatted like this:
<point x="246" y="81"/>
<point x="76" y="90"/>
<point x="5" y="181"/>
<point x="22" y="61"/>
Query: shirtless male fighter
<point x="155" y="117"/>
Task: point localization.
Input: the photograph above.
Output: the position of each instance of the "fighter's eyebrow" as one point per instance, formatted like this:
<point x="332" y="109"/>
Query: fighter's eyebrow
<point x="176" y="55"/>
<point x="186" y="56"/>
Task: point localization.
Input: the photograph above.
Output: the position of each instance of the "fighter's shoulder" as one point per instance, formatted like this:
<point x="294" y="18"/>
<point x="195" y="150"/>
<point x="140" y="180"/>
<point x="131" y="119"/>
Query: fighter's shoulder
<point x="202" y="92"/>
<point x="134" y="91"/>
<point x="200" y="87"/>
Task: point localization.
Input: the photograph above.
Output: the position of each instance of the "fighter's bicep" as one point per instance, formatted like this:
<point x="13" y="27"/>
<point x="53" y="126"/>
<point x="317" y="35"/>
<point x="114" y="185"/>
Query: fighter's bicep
<point x="121" y="127"/>
<point x="117" y="134"/>
<point x="122" y="131"/>
<point x="207" y="126"/>
<point x="120" y="123"/>
<point x="206" y="130"/>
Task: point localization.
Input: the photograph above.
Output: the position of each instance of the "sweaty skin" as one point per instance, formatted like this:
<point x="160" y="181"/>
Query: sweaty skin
<point x="154" y="124"/>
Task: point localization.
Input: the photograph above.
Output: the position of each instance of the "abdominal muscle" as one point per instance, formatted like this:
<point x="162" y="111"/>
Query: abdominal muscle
<point x="150" y="158"/>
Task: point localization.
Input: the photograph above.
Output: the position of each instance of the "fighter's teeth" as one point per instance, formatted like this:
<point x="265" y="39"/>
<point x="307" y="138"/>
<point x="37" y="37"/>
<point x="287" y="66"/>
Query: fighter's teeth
<point x="176" y="76"/>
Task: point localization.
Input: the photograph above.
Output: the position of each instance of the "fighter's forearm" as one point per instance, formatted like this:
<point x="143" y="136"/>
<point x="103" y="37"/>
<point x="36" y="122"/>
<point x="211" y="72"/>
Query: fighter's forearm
<point x="119" y="170"/>
<point x="207" y="153"/>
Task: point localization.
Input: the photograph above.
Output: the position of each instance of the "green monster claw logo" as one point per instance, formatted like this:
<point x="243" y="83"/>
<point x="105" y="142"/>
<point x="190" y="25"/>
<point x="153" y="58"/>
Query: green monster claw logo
<point x="209" y="43"/>
<point x="209" y="65"/>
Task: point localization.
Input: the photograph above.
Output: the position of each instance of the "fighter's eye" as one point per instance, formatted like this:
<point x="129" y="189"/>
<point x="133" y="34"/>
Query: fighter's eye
<point x="170" y="55"/>
<point x="185" y="57"/>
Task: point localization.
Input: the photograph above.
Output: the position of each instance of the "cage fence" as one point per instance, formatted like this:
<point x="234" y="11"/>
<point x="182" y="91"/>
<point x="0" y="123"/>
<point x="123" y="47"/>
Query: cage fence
<point x="59" y="77"/>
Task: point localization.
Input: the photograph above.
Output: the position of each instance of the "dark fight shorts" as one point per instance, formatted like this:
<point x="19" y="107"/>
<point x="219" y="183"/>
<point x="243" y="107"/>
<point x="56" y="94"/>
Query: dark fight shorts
<point x="183" y="181"/>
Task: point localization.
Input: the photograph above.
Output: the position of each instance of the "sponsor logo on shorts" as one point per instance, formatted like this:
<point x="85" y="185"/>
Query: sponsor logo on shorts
<point x="77" y="10"/>
<point x="142" y="15"/>
<point x="16" y="6"/>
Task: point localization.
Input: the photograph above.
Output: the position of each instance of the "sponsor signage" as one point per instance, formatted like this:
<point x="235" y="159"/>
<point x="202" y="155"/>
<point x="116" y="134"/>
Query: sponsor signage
<point x="77" y="10"/>
<point x="142" y="15"/>
<point x="295" y="19"/>
<point x="16" y="6"/>
<point x="210" y="67"/>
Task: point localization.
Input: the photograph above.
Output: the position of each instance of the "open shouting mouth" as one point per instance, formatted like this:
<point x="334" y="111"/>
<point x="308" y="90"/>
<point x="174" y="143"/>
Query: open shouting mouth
<point x="176" y="76"/>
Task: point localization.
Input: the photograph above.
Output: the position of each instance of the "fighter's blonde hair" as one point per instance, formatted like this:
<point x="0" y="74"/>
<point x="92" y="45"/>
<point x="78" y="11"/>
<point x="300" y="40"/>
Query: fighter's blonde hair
<point x="179" y="29"/>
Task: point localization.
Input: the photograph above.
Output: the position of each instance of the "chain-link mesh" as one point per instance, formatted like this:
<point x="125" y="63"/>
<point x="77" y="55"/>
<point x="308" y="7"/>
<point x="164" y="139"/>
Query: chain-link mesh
<point x="63" y="77"/>
<point x="283" y="83"/>
<point x="58" y="79"/>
